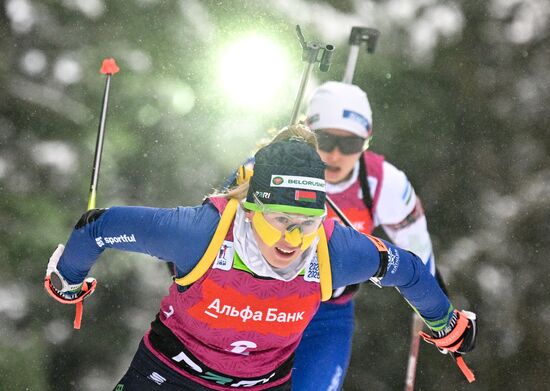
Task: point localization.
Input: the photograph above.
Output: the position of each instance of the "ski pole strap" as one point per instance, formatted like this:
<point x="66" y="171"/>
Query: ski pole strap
<point x="80" y="304"/>
<point x="78" y="315"/>
<point x="453" y="339"/>
<point x="87" y="289"/>
<point x="463" y="367"/>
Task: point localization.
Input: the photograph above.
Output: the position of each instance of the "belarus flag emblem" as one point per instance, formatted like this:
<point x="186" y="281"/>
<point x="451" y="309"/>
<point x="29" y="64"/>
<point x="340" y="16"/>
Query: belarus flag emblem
<point x="304" y="195"/>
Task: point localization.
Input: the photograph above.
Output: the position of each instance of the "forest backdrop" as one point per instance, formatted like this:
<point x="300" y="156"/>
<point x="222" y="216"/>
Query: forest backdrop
<point x="460" y="92"/>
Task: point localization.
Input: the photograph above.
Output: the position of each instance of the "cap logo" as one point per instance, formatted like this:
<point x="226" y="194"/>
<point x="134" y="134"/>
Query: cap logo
<point x="276" y="180"/>
<point x="355" y="116"/>
<point x="298" y="182"/>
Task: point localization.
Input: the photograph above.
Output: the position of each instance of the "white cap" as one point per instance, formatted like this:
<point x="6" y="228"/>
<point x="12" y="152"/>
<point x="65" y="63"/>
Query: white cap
<point x="340" y="106"/>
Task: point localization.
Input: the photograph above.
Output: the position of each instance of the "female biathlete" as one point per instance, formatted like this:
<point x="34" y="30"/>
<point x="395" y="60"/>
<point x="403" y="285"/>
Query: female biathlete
<point x="253" y="265"/>
<point x="371" y="192"/>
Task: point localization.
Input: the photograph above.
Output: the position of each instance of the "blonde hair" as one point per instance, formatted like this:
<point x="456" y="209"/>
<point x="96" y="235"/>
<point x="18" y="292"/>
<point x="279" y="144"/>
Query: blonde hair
<point x="298" y="131"/>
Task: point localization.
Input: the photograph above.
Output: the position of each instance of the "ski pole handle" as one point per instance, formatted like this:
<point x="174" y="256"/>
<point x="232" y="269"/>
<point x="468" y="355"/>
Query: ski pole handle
<point x="364" y="34"/>
<point x="310" y="55"/>
<point x="357" y="36"/>
<point x="326" y="58"/>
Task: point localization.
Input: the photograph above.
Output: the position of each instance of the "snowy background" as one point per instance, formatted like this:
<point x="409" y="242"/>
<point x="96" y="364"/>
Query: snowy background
<point x="460" y="92"/>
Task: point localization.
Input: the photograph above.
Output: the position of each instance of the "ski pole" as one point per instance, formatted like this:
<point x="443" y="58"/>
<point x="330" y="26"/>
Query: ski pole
<point x="108" y="68"/>
<point x="312" y="52"/>
<point x="357" y="36"/>
<point x="416" y="327"/>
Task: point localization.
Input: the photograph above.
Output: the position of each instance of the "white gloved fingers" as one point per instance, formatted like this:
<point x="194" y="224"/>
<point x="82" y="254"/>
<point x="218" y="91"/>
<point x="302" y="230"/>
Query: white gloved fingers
<point x="470" y="315"/>
<point x="54" y="259"/>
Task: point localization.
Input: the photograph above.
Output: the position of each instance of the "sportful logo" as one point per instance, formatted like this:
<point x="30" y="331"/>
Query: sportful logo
<point x="100" y="241"/>
<point x="298" y="182"/>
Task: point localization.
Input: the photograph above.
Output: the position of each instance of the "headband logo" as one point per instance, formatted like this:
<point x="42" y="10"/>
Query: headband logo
<point x="276" y="180"/>
<point x="298" y="182"/>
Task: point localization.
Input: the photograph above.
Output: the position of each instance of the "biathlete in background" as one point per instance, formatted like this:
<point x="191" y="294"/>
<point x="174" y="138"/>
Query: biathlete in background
<point x="252" y="266"/>
<point x="371" y="192"/>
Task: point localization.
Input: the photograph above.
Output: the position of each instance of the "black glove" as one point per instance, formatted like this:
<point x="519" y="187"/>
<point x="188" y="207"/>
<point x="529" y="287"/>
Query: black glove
<point x="458" y="336"/>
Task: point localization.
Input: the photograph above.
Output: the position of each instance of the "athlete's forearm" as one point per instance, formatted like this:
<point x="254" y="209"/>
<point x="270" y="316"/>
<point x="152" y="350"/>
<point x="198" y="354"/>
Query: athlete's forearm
<point x="354" y="259"/>
<point x="123" y="228"/>
<point x="169" y="234"/>
<point x="418" y="286"/>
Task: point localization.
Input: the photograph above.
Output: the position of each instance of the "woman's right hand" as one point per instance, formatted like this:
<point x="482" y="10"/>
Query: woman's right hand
<point x="59" y="288"/>
<point x="458" y="337"/>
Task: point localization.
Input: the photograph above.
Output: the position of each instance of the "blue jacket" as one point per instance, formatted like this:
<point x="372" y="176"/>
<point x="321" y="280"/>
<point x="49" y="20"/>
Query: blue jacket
<point x="181" y="235"/>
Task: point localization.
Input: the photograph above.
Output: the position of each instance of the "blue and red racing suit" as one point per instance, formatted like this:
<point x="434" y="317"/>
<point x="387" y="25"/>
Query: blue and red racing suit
<point x="376" y="194"/>
<point x="232" y="328"/>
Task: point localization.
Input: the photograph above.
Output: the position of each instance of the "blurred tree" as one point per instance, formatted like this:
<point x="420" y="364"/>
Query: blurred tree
<point x="467" y="123"/>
